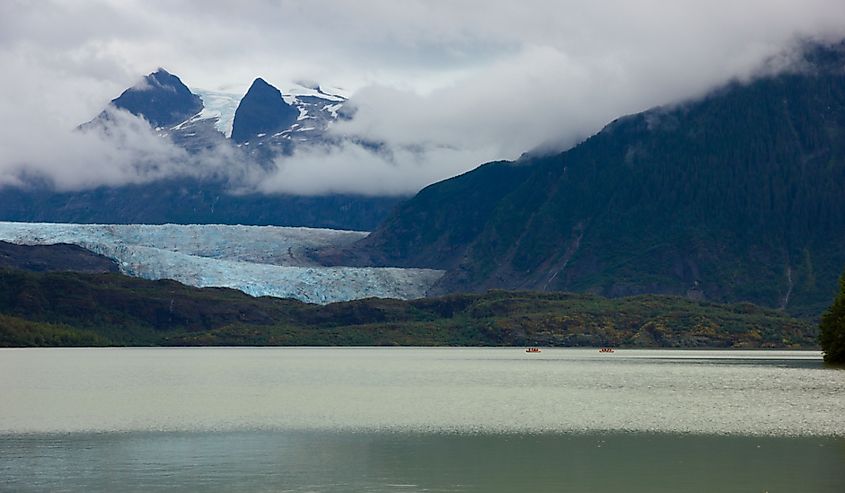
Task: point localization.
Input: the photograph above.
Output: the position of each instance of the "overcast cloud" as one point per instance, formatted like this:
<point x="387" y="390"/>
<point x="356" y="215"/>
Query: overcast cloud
<point x="445" y="85"/>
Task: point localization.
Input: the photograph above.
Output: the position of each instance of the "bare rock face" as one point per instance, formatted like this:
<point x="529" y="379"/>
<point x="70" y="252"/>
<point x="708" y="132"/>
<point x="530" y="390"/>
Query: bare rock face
<point x="161" y="98"/>
<point x="262" y="111"/>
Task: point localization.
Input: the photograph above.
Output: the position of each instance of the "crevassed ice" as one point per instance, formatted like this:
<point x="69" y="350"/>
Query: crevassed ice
<point x="258" y="260"/>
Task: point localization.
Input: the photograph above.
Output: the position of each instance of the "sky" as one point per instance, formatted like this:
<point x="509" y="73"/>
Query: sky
<point x="445" y="85"/>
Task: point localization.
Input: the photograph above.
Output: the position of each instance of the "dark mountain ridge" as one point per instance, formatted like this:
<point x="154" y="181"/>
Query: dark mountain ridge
<point x="190" y="201"/>
<point x="739" y="196"/>
<point x="161" y="98"/>
<point x="262" y="111"/>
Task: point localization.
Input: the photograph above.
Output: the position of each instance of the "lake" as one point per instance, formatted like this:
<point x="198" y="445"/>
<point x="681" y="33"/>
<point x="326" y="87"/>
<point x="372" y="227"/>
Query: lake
<point x="419" y="419"/>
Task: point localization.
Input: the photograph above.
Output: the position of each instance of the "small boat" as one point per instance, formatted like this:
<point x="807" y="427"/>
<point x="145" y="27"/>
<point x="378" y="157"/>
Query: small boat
<point x="606" y="350"/>
<point x="532" y="350"/>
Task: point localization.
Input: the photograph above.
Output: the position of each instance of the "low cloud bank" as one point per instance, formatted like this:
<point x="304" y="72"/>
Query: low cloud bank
<point x="439" y="88"/>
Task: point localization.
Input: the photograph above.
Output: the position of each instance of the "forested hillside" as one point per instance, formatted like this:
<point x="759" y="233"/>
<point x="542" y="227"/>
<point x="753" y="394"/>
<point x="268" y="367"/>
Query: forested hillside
<point x="739" y="196"/>
<point x="79" y="309"/>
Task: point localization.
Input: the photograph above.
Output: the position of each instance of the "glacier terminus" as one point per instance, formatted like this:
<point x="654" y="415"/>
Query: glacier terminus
<point x="258" y="260"/>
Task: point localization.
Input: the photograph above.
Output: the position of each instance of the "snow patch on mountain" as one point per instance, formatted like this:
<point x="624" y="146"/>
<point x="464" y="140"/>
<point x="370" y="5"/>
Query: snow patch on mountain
<point x="219" y="105"/>
<point x="332" y="109"/>
<point x="258" y="260"/>
<point x="317" y="91"/>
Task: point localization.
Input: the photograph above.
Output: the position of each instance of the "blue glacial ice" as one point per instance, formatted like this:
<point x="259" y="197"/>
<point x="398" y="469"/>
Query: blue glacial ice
<point x="258" y="260"/>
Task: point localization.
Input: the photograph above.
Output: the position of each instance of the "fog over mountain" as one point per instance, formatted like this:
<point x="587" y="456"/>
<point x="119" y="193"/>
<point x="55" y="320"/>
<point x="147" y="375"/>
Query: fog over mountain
<point x="436" y="87"/>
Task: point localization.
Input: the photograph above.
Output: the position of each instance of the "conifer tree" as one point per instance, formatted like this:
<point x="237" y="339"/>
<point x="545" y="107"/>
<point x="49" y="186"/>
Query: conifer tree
<point x="832" y="328"/>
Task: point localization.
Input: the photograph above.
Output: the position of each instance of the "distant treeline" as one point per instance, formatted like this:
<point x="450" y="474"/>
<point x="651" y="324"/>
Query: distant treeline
<point x="85" y="309"/>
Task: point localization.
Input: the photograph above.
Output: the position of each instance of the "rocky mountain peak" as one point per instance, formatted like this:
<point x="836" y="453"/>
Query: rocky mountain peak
<point x="262" y="111"/>
<point x="161" y="98"/>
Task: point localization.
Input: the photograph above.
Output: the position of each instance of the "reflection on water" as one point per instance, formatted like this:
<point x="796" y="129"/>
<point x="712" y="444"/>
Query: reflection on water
<point x="373" y="419"/>
<point x="382" y="462"/>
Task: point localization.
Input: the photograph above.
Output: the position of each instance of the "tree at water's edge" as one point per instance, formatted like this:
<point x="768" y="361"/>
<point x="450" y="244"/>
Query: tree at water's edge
<point x="832" y="328"/>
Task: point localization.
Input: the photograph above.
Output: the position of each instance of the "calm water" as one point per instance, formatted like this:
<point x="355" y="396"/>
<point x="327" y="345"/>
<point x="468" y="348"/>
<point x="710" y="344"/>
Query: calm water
<point x="296" y="419"/>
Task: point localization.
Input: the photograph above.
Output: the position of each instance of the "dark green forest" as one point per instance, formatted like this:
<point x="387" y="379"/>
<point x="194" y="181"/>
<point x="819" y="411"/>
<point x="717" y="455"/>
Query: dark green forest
<point x="85" y="309"/>
<point x="832" y="328"/>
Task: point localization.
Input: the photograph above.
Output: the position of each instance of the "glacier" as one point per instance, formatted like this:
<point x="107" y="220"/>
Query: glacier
<point x="258" y="260"/>
<point x="219" y="105"/>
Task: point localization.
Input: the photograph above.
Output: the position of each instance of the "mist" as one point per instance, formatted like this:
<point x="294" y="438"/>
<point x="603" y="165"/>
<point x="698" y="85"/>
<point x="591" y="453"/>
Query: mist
<point x="441" y="87"/>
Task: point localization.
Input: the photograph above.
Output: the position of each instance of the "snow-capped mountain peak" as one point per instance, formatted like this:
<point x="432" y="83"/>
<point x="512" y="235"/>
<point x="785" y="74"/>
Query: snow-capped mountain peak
<point x="265" y="122"/>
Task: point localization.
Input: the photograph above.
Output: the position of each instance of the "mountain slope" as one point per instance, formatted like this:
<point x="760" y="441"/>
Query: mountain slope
<point x="262" y="111"/>
<point x="50" y="258"/>
<point x="736" y="197"/>
<point x="161" y="98"/>
<point x="189" y="201"/>
<point x="439" y="223"/>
